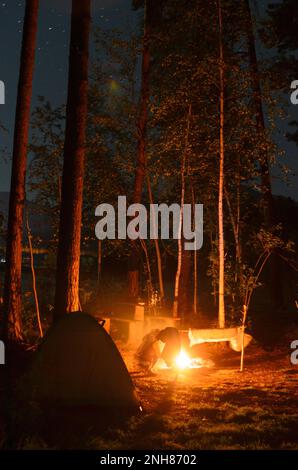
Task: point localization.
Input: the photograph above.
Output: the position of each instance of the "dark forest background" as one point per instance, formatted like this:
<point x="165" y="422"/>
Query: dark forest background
<point x="183" y="109"/>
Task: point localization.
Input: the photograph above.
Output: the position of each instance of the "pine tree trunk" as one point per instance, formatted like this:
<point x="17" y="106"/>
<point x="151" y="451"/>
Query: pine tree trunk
<point x="12" y="323"/>
<point x="179" y="263"/>
<point x="68" y="257"/>
<point x="221" y="247"/>
<point x="134" y="261"/>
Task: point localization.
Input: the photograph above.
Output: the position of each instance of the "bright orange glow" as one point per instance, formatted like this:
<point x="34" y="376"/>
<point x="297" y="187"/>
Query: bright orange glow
<point x="182" y="360"/>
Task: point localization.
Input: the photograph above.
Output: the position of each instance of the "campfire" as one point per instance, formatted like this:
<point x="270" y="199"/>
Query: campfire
<point x="183" y="362"/>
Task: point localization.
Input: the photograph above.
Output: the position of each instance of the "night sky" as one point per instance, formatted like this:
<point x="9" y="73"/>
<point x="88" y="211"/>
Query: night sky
<point x="50" y="77"/>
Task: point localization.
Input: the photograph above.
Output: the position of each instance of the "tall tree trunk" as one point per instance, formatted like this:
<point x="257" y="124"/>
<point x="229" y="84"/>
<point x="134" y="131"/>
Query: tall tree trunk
<point x="134" y="261"/>
<point x="179" y="260"/>
<point x="157" y="249"/>
<point x="12" y="323"/>
<point x="195" y="283"/>
<point x="29" y="236"/>
<point x="235" y="222"/>
<point x="268" y="201"/>
<point x="149" y="275"/>
<point x="221" y="246"/>
<point x="185" y="304"/>
<point x="68" y="257"/>
<point x="177" y="291"/>
<point x="195" y="263"/>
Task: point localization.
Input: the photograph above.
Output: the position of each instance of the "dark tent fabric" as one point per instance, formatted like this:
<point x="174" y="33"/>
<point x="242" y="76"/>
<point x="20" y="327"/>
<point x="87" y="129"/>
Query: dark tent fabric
<point x="78" y="364"/>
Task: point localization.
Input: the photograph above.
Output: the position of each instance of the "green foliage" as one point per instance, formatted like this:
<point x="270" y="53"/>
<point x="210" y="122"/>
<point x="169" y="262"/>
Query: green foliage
<point x="45" y="169"/>
<point x="184" y="74"/>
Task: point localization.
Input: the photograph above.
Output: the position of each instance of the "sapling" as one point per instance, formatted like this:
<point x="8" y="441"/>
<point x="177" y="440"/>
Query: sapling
<point x="270" y="242"/>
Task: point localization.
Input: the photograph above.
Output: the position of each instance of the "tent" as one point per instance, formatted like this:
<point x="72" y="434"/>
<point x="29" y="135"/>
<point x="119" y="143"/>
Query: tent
<point x="78" y="364"/>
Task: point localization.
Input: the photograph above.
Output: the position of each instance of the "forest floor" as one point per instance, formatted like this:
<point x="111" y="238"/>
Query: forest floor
<point x="218" y="407"/>
<point x="209" y="408"/>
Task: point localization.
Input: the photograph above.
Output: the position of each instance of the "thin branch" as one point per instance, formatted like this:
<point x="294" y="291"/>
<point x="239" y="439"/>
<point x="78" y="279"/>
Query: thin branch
<point x="33" y="276"/>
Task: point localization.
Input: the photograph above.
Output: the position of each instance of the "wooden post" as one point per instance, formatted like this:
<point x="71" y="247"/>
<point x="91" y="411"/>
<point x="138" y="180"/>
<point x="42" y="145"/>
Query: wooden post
<point x="242" y="341"/>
